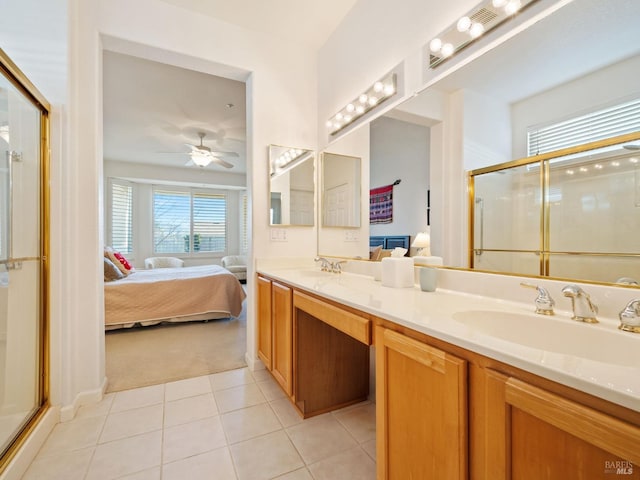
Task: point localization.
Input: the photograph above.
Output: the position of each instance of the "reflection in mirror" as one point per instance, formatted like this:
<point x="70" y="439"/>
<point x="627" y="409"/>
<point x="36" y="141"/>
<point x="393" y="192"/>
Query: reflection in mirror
<point x="291" y="186"/>
<point x="340" y="190"/>
<point x="573" y="214"/>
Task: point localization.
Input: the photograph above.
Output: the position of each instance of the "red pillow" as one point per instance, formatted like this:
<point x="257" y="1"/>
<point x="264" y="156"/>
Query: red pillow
<point x="125" y="263"/>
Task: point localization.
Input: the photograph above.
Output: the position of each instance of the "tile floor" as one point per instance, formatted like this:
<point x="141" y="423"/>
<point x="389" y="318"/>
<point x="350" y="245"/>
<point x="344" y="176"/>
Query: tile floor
<point x="231" y="425"/>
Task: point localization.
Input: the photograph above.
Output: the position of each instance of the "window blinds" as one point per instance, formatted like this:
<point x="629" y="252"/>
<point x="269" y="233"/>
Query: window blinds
<point x="609" y="122"/>
<point x="122" y="217"/>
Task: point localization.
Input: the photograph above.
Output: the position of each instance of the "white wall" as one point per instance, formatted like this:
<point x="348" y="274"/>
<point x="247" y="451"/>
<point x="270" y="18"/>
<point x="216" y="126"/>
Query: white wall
<point x="400" y="150"/>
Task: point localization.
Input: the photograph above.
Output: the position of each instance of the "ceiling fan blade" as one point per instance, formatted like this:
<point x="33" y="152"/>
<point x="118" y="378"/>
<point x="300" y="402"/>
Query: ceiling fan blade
<point x="224" y="154"/>
<point x="221" y="162"/>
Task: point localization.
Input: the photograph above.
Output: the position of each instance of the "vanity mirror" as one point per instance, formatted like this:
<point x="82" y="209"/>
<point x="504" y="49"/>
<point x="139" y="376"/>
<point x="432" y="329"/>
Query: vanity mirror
<point x="340" y="189"/>
<point x="291" y="186"/>
<point x="582" y="58"/>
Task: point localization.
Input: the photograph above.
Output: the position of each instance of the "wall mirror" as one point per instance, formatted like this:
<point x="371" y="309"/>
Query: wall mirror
<point x="341" y="185"/>
<point x="291" y="186"/>
<point x="568" y="64"/>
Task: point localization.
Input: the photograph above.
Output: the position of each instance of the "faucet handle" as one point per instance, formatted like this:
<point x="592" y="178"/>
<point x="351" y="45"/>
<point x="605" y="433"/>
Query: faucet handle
<point x="630" y="317"/>
<point x="584" y="310"/>
<point x="335" y="266"/>
<point x="324" y="263"/>
<point x="544" y="302"/>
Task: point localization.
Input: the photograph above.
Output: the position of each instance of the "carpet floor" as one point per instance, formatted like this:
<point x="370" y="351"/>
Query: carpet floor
<point x="138" y="357"/>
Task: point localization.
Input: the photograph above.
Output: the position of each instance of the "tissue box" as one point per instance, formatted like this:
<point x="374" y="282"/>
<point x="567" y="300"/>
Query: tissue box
<point x="397" y="272"/>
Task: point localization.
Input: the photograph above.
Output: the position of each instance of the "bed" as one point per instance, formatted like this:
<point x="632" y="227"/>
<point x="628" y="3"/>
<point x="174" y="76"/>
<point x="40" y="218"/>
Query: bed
<point x="149" y="297"/>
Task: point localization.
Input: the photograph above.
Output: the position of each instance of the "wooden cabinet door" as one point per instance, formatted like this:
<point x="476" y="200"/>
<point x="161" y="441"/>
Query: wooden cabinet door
<point x="282" y="348"/>
<point x="421" y="410"/>
<point x="264" y="322"/>
<point x="548" y="437"/>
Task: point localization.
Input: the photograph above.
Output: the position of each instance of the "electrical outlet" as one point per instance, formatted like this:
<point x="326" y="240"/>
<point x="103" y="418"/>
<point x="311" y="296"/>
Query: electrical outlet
<point x="278" y="235"/>
<point x="351" y="235"/>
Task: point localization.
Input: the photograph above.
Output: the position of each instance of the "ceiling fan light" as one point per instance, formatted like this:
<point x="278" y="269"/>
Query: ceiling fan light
<point x="201" y="160"/>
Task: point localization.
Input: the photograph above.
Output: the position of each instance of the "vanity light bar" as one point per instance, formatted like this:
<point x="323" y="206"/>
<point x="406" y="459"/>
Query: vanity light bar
<point x="367" y="101"/>
<point x="483" y="18"/>
<point x="288" y="159"/>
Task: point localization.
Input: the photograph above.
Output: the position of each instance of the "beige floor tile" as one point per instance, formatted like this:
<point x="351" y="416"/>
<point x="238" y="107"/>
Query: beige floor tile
<point x="132" y="422"/>
<point x="265" y="457"/>
<point x="300" y="474"/>
<point x="73" y="435"/>
<point x="231" y="378"/>
<point x="353" y="464"/>
<point x="271" y="390"/>
<point x="124" y="457"/>
<point x="154" y="473"/>
<point x="359" y="421"/>
<point x="189" y="387"/>
<point x="67" y="465"/>
<point x="320" y="437"/>
<point x="261" y="375"/>
<point x="249" y="422"/>
<point x="189" y="409"/>
<point x="216" y="464"/>
<point x="286" y="412"/>
<point x="238" y="397"/>
<point x="97" y="410"/>
<point x="137" y="398"/>
<point x="370" y="448"/>
<point x="192" y="438"/>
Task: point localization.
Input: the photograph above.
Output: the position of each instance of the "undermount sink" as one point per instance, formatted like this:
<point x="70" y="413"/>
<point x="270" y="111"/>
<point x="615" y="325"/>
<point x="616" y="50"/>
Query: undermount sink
<point x="559" y="335"/>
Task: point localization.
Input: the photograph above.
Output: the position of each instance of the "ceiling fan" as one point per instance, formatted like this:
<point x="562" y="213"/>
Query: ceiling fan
<point x="201" y="155"/>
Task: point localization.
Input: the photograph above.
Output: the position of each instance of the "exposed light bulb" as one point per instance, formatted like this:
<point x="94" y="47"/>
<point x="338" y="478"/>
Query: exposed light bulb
<point x="329" y="123"/>
<point x="570" y="172"/>
<point x="476" y="30"/>
<point x="347" y="118"/>
<point x="389" y="89"/>
<point x="447" y="50"/>
<point x="499" y="3"/>
<point x="339" y="116"/>
<point x="363" y="98"/>
<point x="350" y="108"/>
<point x="463" y="24"/>
<point x="512" y="7"/>
<point x="584" y="169"/>
<point x="359" y="109"/>
<point x="435" y="45"/>
<point x="615" y="163"/>
<point x="378" y="86"/>
<point x="597" y="166"/>
<point x="373" y="101"/>
<point x="336" y="125"/>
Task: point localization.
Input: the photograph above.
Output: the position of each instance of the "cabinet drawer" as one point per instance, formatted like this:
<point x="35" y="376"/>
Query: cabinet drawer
<point x="353" y="325"/>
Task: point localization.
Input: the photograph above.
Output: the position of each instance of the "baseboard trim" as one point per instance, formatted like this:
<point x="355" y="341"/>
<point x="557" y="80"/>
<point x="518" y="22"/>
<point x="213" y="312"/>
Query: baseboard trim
<point x="253" y="363"/>
<point x="88" y="397"/>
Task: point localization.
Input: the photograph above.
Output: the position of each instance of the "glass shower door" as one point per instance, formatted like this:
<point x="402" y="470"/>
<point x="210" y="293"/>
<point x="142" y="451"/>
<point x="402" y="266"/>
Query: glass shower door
<point x="21" y="262"/>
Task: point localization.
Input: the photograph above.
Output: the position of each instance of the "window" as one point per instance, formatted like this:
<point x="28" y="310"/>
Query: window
<point x="186" y="221"/>
<point x="606" y="123"/>
<point x="121" y="218"/>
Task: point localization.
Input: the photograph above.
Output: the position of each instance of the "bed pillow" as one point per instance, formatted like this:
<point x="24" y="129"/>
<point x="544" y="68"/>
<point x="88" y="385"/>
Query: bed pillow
<point x="111" y="271"/>
<point x="112" y="255"/>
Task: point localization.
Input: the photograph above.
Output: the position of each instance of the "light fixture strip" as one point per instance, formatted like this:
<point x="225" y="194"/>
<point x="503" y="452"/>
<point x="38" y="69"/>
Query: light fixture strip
<point x="482" y="19"/>
<point x="366" y="101"/>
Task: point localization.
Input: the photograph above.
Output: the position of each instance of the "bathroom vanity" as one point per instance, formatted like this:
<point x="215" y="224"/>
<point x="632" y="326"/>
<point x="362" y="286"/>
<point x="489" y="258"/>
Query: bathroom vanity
<point x="450" y="402"/>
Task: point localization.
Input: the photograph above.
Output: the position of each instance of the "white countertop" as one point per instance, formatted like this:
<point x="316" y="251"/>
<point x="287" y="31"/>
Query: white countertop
<point x="433" y="313"/>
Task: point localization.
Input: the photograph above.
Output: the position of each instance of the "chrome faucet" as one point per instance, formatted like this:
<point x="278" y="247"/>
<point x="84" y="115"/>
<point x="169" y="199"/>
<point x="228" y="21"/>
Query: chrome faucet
<point x="630" y="317"/>
<point x="544" y="302"/>
<point x="336" y="266"/>
<point x="584" y="310"/>
<point x="325" y="265"/>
